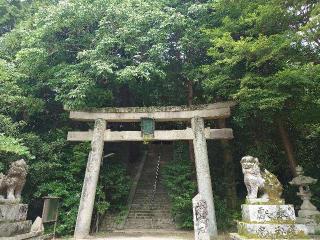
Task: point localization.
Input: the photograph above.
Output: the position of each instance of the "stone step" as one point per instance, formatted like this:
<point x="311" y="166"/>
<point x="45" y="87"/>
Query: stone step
<point x="149" y="224"/>
<point x="154" y="200"/>
<point x="149" y="200"/>
<point x="161" y="217"/>
<point x="144" y="214"/>
<point x="149" y="192"/>
<point x="150" y="210"/>
<point x="153" y="220"/>
<point x="151" y="214"/>
<point x="148" y="206"/>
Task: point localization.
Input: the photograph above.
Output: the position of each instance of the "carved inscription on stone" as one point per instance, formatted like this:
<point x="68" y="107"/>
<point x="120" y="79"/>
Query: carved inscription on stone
<point x="268" y="213"/>
<point x="200" y="218"/>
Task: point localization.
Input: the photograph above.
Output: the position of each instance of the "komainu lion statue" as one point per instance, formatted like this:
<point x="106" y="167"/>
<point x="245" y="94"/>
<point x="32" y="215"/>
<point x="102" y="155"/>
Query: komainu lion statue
<point x="267" y="182"/>
<point x="13" y="183"/>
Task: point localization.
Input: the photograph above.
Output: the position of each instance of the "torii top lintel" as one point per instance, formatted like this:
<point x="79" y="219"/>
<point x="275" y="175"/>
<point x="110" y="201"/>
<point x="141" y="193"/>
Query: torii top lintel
<point x="168" y="113"/>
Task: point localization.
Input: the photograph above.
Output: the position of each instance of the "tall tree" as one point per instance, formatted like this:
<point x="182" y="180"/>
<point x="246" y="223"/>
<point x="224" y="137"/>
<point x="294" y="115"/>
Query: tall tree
<point x="264" y="57"/>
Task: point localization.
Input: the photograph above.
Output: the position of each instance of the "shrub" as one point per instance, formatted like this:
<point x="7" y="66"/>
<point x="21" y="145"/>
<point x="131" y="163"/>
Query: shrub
<point x="178" y="178"/>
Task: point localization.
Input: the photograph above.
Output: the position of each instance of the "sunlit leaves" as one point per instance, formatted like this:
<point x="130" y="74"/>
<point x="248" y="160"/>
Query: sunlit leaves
<point x="13" y="145"/>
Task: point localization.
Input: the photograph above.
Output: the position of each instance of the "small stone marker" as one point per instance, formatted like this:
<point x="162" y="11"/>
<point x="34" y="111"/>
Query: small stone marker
<point x="37" y="225"/>
<point x="200" y="218"/>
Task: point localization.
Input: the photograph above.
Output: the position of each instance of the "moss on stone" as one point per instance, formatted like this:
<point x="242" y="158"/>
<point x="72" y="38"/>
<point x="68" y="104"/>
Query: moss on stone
<point x="145" y="109"/>
<point x="270" y="202"/>
<point x="290" y="235"/>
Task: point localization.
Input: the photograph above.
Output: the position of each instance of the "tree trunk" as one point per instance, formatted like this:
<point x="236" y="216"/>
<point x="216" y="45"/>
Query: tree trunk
<point x="288" y="147"/>
<point x="228" y="166"/>
<point x="190" y="99"/>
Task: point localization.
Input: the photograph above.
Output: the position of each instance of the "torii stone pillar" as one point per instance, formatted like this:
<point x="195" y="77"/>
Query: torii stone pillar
<point x="90" y="181"/>
<point x="203" y="171"/>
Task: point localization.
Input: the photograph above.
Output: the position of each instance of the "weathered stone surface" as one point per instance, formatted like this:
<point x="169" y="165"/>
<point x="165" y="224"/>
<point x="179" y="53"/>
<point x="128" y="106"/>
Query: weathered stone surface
<point x="266" y="217"/>
<point x="13" y="212"/>
<point x="37" y="225"/>
<point x="255" y="181"/>
<point x="13" y="183"/>
<point x="90" y="181"/>
<point x="308" y="213"/>
<point x="311" y="223"/>
<point x="261" y="201"/>
<point x="236" y="236"/>
<point x="200" y="218"/>
<point x="33" y="236"/>
<point x="272" y="230"/>
<point x="172" y="113"/>
<point x="203" y="171"/>
<point x="159" y="135"/>
<point x="268" y="213"/>
<point x="29" y="236"/>
<point x="8" y="229"/>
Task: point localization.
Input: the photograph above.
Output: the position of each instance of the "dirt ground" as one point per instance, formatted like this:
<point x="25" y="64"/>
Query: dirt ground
<point x="148" y="235"/>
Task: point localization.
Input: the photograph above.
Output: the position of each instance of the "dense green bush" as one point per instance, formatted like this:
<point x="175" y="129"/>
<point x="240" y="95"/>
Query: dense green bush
<point x="112" y="189"/>
<point x="226" y="217"/>
<point x="178" y="178"/>
<point x="116" y="185"/>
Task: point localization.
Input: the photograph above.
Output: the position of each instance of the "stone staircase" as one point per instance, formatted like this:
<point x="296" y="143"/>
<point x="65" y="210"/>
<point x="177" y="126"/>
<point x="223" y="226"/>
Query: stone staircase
<point x="144" y="213"/>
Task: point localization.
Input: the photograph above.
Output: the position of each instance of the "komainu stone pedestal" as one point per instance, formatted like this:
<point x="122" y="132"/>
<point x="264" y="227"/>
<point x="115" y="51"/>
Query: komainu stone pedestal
<point x="265" y="217"/>
<point x="269" y="221"/>
<point x="13" y="223"/>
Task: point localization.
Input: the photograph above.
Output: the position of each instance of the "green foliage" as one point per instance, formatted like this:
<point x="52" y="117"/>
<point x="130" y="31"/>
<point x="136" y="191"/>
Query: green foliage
<point x="226" y="217"/>
<point x="258" y="59"/>
<point x="12" y="145"/>
<point x="116" y="184"/>
<point x="82" y="48"/>
<point x="178" y="179"/>
<point x="81" y="54"/>
<point x="78" y="53"/>
<point x="10" y="12"/>
<point x="265" y="55"/>
<point x="66" y="183"/>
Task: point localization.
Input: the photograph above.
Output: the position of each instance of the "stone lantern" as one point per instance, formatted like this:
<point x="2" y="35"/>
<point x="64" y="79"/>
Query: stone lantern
<point x="308" y="213"/>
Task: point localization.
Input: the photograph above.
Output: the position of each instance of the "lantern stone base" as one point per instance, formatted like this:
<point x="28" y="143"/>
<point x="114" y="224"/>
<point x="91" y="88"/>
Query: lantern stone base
<point x="311" y="222"/>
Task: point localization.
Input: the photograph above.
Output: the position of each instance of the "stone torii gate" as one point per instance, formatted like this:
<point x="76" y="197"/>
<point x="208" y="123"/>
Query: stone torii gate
<point x="198" y="133"/>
